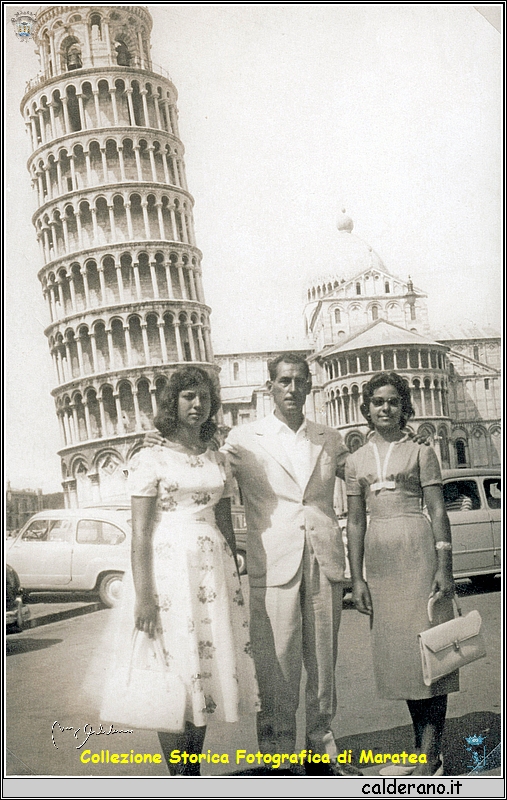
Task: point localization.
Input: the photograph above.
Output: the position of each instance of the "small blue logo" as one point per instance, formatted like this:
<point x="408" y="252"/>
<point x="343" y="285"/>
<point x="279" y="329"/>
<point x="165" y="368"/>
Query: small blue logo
<point x="477" y="749"/>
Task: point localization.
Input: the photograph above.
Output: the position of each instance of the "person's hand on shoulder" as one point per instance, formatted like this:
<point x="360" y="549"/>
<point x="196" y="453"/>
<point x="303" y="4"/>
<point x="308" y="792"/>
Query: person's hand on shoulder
<point x="153" y="438"/>
<point x="418" y="438"/>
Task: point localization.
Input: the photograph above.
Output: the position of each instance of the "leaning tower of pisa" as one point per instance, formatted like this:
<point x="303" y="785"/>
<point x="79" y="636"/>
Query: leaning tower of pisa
<point x="121" y="272"/>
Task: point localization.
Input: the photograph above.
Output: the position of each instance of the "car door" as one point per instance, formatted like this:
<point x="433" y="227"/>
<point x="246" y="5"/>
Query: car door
<point x="42" y="554"/>
<point x="100" y="546"/>
<point x="493" y="494"/>
<point x="472" y="536"/>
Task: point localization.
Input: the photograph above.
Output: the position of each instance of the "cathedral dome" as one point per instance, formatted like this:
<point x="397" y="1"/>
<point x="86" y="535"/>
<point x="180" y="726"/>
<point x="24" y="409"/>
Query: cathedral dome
<point x="349" y="257"/>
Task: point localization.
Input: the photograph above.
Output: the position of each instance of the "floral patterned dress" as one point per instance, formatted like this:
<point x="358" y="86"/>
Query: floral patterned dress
<point x="203" y="625"/>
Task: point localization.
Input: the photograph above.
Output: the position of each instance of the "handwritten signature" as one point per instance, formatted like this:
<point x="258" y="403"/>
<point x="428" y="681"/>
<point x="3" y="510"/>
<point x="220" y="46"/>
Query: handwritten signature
<point x="86" y="731"/>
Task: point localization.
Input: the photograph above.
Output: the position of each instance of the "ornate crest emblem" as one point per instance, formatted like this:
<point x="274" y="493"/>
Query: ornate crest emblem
<point x="24" y="25"/>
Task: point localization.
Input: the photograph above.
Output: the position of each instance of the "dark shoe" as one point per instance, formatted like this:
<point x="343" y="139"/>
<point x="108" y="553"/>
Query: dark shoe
<point x="344" y="770"/>
<point x="333" y="770"/>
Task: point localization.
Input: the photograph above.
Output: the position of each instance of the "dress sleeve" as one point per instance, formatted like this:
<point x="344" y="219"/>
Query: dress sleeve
<point x="225" y="469"/>
<point x="351" y="479"/>
<point x="144" y="473"/>
<point x="429" y="468"/>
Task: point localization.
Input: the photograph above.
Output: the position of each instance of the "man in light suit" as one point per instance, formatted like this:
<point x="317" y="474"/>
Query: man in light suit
<point x="286" y="467"/>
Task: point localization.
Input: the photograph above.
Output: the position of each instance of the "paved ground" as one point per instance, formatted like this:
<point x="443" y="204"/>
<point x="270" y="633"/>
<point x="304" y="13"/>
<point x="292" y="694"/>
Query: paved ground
<point x="48" y="666"/>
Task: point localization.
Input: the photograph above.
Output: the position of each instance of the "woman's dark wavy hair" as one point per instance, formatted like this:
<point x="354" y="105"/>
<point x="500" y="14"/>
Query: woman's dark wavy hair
<point x="166" y="420"/>
<point x="388" y="379"/>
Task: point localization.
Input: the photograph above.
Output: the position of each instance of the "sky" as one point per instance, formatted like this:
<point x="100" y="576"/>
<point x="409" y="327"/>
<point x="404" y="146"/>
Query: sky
<point x="289" y="113"/>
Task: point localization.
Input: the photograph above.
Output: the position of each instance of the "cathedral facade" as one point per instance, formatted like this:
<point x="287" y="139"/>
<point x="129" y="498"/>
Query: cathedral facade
<point x="363" y="319"/>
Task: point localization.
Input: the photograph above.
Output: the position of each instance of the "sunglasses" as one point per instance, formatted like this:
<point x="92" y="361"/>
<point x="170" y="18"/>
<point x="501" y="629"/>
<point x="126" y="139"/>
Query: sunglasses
<point x="378" y="402"/>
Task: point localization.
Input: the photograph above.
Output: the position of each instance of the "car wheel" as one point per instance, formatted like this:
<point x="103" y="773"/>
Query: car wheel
<point x="110" y="589"/>
<point x="241" y="556"/>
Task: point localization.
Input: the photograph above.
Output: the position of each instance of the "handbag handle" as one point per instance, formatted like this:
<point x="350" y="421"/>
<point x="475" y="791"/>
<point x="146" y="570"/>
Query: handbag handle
<point x="157" y="646"/>
<point x="432" y="601"/>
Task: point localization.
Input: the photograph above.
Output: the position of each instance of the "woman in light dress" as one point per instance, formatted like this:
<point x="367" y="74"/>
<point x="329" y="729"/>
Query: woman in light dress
<point x="407" y="558"/>
<point x="187" y="591"/>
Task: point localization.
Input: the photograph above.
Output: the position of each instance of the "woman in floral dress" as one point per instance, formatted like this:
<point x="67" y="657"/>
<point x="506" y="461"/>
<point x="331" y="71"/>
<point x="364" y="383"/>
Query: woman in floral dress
<point x="187" y="591"/>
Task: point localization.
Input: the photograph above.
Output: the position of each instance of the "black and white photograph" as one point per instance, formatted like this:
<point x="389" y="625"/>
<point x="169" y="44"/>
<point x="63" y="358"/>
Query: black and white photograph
<point x="253" y="303"/>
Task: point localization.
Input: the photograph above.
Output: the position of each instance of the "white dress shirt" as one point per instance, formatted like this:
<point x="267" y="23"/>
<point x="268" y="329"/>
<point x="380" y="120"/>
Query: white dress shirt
<point x="297" y="447"/>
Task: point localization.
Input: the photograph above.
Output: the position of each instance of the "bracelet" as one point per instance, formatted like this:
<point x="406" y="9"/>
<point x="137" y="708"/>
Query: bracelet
<point x="443" y="546"/>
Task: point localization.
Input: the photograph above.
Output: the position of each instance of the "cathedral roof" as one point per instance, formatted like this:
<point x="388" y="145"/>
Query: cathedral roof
<point x="378" y="334"/>
<point x="465" y="330"/>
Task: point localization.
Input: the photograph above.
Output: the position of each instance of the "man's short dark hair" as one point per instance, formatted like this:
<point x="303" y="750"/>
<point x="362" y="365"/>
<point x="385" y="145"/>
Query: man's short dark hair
<point x="287" y="358"/>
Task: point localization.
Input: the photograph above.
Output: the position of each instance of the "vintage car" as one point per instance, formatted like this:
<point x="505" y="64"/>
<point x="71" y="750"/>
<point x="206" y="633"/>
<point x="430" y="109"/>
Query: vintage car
<point x="73" y="550"/>
<point x="473" y="501"/>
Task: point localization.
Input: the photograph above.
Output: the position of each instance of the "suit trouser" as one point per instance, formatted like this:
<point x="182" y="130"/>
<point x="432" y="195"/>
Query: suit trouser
<point x="290" y="625"/>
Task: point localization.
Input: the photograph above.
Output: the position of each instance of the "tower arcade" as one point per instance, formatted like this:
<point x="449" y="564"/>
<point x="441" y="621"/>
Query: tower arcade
<point x="121" y="270"/>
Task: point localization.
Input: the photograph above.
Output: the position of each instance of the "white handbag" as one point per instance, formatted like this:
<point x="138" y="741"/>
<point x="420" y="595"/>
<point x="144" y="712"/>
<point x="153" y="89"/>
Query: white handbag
<point x="449" y="646"/>
<point x="143" y="692"/>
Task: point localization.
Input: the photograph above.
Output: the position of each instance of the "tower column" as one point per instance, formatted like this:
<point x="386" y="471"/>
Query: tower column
<point x="81" y="111"/>
<point x="154" y="283"/>
<point x="173" y="224"/>
<point x="129" y="221"/>
<point x="168" y="278"/>
<point x="150" y="150"/>
<point x="207" y="339"/>
<point x="112" y="92"/>
<point x="202" y="348"/>
<point x="144" y="206"/>
<point x="51" y="107"/>
<point x="84" y="273"/>
<point x="121" y="427"/>
<point x="59" y="175"/>
<point x="137" y="413"/>
<point x="102" y="282"/>
<point x="108" y="41"/>
<point x="135" y="267"/>
<point x="95" y="360"/>
<point x="104" y="164"/>
<point x="177" y="336"/>
<point x="80" y="355"/>
<point x="166" y="168"/>
<point x="96" y="103"/>
<point x="103" y="423"/>
<point x="66" y="121"/>
<point x="93" y="211"/>
<point x="190" y="332"/>
<point x="65" y="233"/>
<point x="138" y="162"/>
<point x="110" y="349"/>
<point x="181" y="276"/>
<point x="88" y="168"/>
<point x="110" y="209"/>
<point x="146" y="345"/>
<point x="143" y="94"/>
<point x="128" y="92"/>
<point x="122" y="163"/>
<point x="161" y="333"/>
<point x="160" y="216"/>
<point x="119" y="278"/>
<point x="88" y="424"/>
<point x="128" y="344"/>
<point x="157" y="112"/>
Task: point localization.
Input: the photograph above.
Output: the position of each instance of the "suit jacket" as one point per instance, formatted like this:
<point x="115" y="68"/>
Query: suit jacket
<point x="278" y="510"/>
